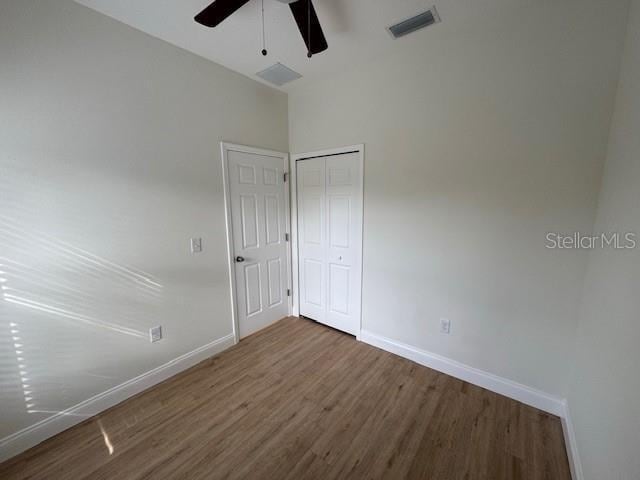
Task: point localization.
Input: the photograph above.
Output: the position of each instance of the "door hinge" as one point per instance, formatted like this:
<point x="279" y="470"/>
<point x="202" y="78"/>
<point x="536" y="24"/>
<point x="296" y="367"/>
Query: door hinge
<point x="285" y="176"/>
<point x="286" y="237"/>
<point x="288" y="292"/>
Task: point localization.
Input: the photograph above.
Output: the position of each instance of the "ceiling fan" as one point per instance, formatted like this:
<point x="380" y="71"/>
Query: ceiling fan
<point x="302" y="10"/>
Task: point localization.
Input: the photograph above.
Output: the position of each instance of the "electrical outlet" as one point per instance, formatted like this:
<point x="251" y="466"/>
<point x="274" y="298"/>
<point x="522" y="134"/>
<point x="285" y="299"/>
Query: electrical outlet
<point x="155" y="334"/>
<point x="196" y="245"/>
<point x="445" y="326"/>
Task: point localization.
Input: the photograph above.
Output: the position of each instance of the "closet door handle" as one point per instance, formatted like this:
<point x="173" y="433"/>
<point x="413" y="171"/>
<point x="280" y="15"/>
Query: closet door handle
<point x="239" y="259"/>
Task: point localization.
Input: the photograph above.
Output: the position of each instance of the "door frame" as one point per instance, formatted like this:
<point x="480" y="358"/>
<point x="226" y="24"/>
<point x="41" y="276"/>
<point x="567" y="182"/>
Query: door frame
<point x="359" y="149"/>
<point x="225" y="148"/>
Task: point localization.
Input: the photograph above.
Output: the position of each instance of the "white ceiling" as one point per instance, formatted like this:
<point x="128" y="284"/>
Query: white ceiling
<point x="355" y="30"/>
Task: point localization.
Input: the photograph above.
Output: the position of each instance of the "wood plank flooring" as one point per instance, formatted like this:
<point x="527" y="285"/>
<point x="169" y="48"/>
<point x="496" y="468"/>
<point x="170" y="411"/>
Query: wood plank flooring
<point x="301" y="401"/>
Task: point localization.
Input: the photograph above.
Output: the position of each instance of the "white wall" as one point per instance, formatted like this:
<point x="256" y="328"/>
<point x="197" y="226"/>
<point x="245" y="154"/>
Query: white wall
<point x="109" y="163"/>
<point x="480" y="138"/>
<point x="604" y="398"/>
<point x="482" y="134"/>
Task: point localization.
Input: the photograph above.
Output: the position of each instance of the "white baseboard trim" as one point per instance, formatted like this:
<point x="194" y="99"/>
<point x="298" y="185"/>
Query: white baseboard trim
<point x="572" y="445"/>
<point x="38" y="432"/>
<point x="527" y="395"/>
<point x="508" y="388"/>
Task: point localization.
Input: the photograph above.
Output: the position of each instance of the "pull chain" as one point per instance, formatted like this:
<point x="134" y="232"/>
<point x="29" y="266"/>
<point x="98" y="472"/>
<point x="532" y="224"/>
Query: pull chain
<point x="264" y="47"/>
<point x="309" y="54"/>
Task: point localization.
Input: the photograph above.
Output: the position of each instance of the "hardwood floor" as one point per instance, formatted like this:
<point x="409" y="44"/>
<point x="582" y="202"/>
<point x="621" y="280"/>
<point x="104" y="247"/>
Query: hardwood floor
<point x="301" y="401"/>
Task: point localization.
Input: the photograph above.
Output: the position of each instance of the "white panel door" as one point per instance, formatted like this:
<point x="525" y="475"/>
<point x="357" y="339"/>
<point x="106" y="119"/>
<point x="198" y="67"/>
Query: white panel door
<point x="257" y="193"/>
<point x="344" y="241"/>
<point x="312" y="243"/>
<point x="330" y="239"/>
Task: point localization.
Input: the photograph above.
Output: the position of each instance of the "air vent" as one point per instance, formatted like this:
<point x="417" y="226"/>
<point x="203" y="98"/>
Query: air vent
<point x="278" y="74"/>
<point x="414" y="23"/>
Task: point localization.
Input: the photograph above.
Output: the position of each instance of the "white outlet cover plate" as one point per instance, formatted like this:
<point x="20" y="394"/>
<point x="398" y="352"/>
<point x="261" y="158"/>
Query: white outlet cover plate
<point x="155" y="334"/>
<point x="196" y="245"/>
<point x="445" y="325"/>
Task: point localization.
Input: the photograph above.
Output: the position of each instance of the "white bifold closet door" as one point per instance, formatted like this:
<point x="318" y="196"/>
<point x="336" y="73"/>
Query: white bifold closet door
<point x="330" y="240"/>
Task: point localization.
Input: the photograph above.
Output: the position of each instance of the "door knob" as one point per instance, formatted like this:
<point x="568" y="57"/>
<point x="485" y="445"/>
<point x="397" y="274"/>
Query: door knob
<point x="239" y="259"/>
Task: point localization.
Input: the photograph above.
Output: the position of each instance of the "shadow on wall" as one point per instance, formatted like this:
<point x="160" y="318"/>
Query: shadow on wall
<point x="52" y="295"/>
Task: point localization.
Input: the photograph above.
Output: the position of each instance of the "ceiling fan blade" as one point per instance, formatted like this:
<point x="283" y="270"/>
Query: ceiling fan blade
<point x="218" y="11"/>
<point x="306" y="17"/>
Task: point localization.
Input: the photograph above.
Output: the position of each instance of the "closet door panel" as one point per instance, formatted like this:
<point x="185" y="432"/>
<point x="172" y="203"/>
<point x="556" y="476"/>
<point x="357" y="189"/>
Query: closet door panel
<point x="312" y="237"/>
<point x="344" y="241"/>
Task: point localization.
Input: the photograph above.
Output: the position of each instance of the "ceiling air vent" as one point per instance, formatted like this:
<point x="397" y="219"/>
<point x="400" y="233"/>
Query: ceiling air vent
<point x="278" y="74"/>
<point x="414" y="23"/>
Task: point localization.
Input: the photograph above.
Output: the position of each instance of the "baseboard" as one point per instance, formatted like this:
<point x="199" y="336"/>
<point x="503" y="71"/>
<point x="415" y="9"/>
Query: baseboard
<point x="508" y="388"/>
<point x="571" y="444"/>
<point x="34" y="434"/>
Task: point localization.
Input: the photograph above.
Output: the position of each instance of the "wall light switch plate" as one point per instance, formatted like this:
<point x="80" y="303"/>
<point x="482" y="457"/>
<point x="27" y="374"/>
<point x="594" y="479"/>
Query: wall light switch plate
<point x="445" y="326"/>
<point x="155" y="334"/>
<point x="196" y="245"/>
